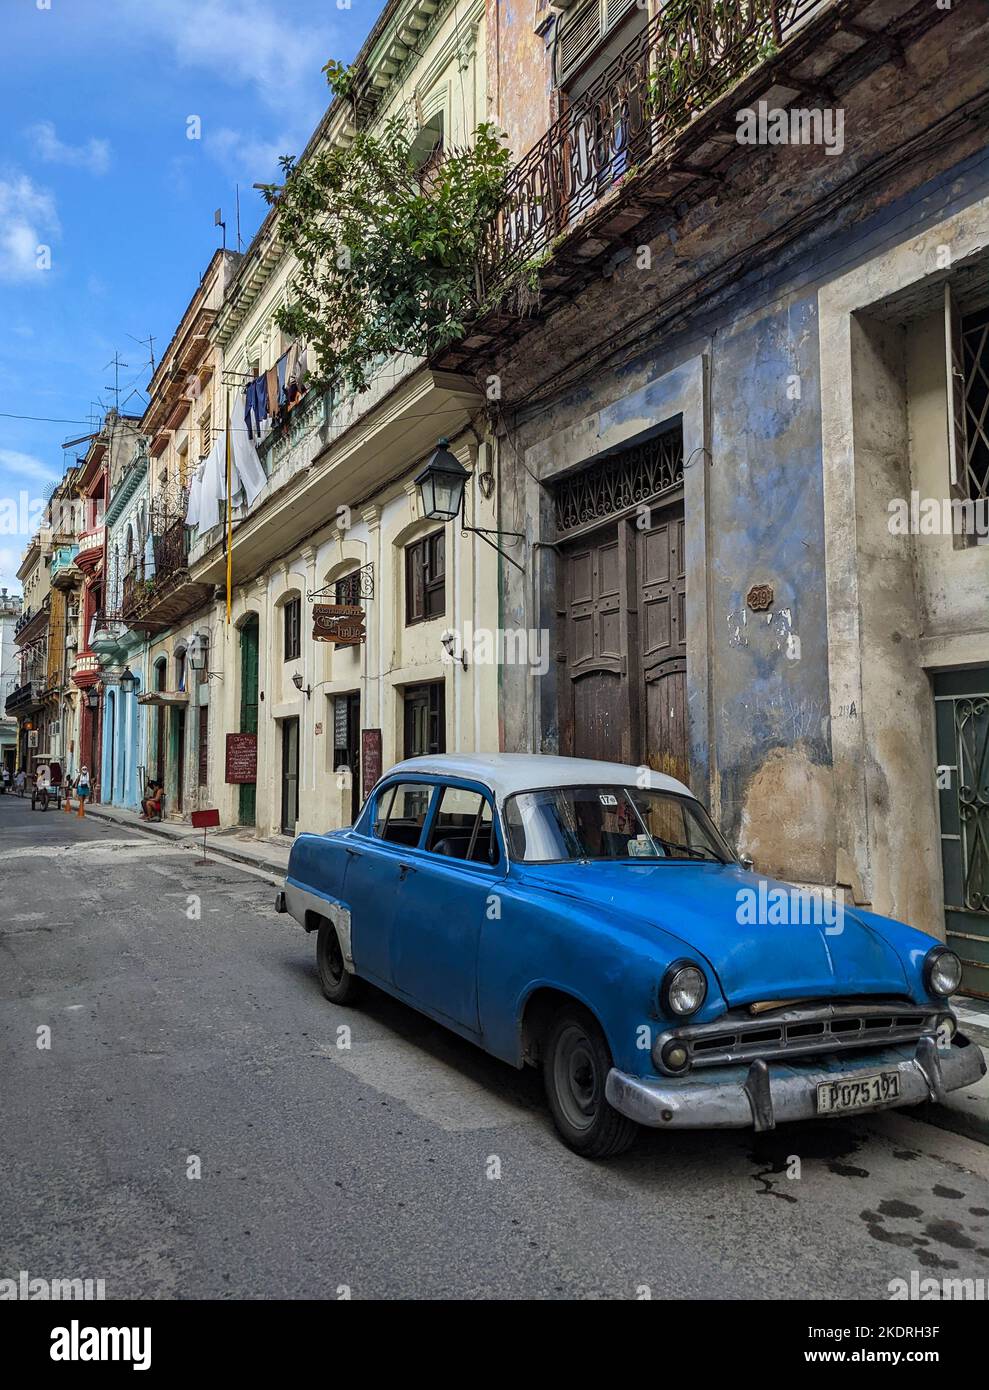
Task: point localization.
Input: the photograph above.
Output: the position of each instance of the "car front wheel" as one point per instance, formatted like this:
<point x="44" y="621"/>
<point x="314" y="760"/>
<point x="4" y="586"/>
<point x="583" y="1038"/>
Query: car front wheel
<point x="576" y="1062"/>
<point x="339" y="985"/>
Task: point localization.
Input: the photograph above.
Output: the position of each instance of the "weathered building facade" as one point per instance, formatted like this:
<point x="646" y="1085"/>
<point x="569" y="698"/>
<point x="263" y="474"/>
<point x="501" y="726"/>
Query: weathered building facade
<point x="735" y="340"/>
<point x="337" y="520"/>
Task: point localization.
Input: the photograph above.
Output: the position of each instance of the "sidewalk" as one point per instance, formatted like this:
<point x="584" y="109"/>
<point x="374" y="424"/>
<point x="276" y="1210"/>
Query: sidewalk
<point x="235" y="844"/>
<point x="964" y="1112"/>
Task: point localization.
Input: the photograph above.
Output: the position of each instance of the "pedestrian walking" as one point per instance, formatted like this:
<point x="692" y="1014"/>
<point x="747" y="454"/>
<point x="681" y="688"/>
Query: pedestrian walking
<point x="83" y="790"/>
<point x="5" y="778"/>
<point x="20" y="781"/>
<point x="42" y="783"/>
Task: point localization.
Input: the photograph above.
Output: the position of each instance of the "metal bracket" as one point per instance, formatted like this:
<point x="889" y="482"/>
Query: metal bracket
<point x="365" y="584"/>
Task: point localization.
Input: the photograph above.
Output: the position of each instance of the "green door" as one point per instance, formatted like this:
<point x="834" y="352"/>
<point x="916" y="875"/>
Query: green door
<point x="961" y="703"/>
<point x="248" y="710"/>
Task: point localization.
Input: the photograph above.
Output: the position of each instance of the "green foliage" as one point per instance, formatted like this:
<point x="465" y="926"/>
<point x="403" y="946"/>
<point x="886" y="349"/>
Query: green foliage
<point x="339" y="78"/>
<point x="387" y="262"/>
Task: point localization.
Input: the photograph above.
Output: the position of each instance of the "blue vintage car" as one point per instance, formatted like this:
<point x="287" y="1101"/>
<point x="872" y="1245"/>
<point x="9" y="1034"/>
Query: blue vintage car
<point x="589" y="918"/>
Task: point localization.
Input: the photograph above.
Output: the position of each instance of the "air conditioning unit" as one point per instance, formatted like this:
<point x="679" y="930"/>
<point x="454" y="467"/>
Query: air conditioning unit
<point x="72" y="612"/>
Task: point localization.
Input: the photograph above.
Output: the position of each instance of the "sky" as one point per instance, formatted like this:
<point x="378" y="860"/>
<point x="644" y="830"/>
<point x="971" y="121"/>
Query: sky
<point x="107" y="204"/>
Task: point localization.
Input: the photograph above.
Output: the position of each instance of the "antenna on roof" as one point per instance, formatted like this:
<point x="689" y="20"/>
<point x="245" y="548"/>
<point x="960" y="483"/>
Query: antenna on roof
<point x="240" y="244"/>
<point x="219" y="222"/>
<point x="116" y="364"/>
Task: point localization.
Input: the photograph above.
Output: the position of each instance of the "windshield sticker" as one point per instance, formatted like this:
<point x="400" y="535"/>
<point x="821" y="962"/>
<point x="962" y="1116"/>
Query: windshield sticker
<point x="606" y="799"/>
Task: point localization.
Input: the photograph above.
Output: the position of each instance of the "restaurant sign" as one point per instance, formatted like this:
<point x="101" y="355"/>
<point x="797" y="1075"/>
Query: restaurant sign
<point x="340" y="623"/>
<point x="242" y="758"/>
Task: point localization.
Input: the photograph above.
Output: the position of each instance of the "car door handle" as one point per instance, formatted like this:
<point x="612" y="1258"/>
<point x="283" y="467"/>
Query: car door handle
<point x="355" y="853"/>
<point x="406" y="869"/>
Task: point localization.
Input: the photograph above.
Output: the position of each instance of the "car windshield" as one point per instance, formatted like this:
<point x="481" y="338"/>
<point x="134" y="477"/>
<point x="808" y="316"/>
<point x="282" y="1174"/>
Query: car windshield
<point x="605" y="822"/>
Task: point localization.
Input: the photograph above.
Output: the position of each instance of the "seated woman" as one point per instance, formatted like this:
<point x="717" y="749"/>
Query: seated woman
<point x="151" y="805"/>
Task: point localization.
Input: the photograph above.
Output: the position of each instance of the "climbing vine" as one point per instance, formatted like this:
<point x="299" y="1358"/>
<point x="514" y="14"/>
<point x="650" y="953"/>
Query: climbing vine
<point x="387" y="255"/>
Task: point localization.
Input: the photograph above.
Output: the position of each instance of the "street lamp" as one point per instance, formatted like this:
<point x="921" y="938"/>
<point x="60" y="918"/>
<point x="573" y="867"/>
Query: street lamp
<point x="442" y="486"/>
<point x="297" y="682"/>
<point x="93" y="697"/>
<point x="127" y="681"/>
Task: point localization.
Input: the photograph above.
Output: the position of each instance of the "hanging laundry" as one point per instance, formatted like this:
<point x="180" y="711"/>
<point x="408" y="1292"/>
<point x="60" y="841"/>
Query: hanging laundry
<point x="272" y="379"/>
<point x="212" y="485"/>
<point x="195" y="493"/>
<point x="246" y="466"/>
<point x="256" y="405"/>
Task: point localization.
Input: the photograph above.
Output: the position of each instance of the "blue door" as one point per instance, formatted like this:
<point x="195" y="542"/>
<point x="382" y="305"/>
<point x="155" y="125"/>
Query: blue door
<point x="443" y="904"/>
<point x="378" y="867"/>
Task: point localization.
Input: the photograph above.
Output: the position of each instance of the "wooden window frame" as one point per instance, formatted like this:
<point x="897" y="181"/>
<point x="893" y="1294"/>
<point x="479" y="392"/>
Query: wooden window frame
<point x="430" y="552"/>
<point x="292" y="635"/>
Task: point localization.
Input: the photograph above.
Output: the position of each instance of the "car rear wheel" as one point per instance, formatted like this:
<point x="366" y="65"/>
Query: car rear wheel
<point x="339" y="985"/>
<point x="576" y="1062"/>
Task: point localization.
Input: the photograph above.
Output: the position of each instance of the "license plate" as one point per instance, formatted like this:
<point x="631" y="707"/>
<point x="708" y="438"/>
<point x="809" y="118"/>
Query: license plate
<point x="859" y="1094"/>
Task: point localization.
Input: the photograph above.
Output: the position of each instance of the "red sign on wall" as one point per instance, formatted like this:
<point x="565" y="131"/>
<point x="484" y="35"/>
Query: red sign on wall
<point x="242" y="758"/>
<point x="370" y="759"/>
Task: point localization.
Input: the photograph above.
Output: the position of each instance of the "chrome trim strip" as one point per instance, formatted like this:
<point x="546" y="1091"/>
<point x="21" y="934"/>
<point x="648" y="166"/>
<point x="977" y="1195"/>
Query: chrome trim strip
<point x="299" y="901"/>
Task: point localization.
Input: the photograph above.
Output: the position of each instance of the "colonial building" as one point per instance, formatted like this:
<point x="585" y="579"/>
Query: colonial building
<point x="743" y="334"/>
<point x="10" y="612"/>
<point x="333" y="514"/>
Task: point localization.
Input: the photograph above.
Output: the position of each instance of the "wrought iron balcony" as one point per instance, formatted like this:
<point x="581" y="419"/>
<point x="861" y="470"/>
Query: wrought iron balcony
<point x="691" y="53"/>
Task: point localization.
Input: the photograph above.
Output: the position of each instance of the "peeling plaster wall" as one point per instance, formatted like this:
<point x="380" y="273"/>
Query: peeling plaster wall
<point x="520" y="70"/>
<point x="764" y="702"/>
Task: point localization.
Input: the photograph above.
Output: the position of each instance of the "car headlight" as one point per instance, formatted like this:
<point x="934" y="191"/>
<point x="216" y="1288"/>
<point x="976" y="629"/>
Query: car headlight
<point x="683" y="990"/>
<point x="942" y="971"/>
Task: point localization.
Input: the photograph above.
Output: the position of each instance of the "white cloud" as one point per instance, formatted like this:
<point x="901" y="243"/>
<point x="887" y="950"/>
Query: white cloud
<point x="241" y="41"/>
<point x="94" y="155"/>
<point x="244" y="156"/>
<point x="26" y="466"/>
<point x="10" y="560"/>
<point x="27" y="216"/>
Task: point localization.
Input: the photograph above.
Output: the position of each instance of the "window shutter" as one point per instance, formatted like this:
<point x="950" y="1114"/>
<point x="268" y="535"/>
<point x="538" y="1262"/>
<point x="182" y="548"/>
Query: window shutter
<point x="615" y="11"/>
<point x="581" y="31"/>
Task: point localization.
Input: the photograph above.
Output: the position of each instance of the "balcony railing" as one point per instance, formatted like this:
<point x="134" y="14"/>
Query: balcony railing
<point x="691" y="53"/>
<point x="171" y="547"/>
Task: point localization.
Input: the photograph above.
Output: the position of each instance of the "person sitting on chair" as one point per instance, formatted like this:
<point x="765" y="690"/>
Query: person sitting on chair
<point x="151" y="805"/>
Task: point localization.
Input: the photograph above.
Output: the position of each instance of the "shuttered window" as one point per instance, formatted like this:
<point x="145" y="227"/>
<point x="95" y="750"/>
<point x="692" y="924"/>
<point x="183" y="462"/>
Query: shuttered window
<point x="584" y="29"/>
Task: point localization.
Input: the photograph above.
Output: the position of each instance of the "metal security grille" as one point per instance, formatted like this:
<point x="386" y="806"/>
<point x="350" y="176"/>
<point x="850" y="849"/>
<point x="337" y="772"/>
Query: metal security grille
<point x="961" y="703"/>
<point x="974" y="479"/>
<point x="620" y="481"/>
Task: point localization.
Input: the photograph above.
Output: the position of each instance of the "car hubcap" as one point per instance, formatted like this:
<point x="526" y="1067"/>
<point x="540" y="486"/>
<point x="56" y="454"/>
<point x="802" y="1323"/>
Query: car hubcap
<point x="575" y="1073"/>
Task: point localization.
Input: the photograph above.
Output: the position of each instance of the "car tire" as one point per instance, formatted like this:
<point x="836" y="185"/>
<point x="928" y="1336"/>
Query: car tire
<point x="576" y="1062"/>
<point x="338" y="984"/>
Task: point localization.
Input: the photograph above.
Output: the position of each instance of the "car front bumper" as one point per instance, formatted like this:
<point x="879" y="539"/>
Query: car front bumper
<point x="763" y="1094"/>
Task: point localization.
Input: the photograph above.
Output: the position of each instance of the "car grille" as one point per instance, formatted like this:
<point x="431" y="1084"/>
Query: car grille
<point x="803" y="1032"/>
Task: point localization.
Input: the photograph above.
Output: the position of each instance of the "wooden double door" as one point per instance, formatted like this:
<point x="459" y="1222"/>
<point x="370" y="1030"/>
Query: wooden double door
<point x="623" y="694"/>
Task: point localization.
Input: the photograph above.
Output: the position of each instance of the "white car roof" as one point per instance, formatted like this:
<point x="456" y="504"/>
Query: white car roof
<point x="506" y="773"/>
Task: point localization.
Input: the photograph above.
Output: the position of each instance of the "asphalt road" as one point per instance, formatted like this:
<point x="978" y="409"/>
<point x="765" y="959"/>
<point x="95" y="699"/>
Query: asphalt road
<point x="188" y="1033"/>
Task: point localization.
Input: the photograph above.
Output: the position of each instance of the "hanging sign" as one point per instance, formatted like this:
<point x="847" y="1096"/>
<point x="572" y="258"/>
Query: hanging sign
<point x="242" y="758"/>
<point x="370" y="759"/>
<point x="341" y="623"/>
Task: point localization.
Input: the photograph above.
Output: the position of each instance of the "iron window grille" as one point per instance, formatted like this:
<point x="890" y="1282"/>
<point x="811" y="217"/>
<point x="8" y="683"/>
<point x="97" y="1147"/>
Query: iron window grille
<point x="640" y="474"/>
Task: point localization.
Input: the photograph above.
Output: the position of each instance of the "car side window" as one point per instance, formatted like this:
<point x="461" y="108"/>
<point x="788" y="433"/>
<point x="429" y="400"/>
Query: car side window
<point x="401" y="813"/>
<point x="463" y="827"/>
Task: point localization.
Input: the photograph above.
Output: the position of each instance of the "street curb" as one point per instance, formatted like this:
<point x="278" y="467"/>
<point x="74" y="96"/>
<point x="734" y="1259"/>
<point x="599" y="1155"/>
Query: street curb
<point x="947" y="1117"/>
<point x="190" y="838"/>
